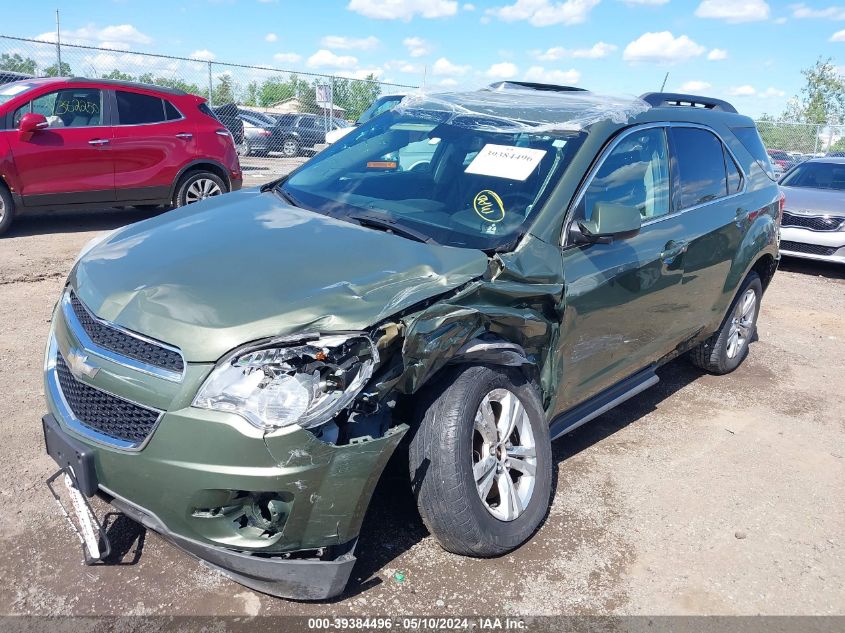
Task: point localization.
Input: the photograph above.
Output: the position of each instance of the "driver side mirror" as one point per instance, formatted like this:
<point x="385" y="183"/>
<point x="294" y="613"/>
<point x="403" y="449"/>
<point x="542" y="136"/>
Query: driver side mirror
<point x="32" y="122"/>
<point x="611" y="221"/>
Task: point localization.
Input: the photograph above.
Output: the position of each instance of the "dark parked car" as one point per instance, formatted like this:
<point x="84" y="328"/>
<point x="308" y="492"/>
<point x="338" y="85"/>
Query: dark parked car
<point x="258" y="133"/>
<point x="230" y="117"/>
<point x="297" y="132"/>
<point x="236" y="375"/>
<point x="95" y="143"/>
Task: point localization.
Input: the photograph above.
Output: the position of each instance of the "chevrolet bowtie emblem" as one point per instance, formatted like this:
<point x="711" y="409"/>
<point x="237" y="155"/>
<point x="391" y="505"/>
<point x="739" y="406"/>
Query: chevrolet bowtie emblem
<point x="77" y="362"/>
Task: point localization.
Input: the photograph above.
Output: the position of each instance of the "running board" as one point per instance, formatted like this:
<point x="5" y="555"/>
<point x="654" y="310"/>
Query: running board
<point x="603" y="402"/>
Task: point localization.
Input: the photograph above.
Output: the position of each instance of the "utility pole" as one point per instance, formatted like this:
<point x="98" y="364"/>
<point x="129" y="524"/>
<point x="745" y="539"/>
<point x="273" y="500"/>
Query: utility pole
<point x="210" y="85"/>
<point x="665" y="79"/>
<point x="58" y="45"/>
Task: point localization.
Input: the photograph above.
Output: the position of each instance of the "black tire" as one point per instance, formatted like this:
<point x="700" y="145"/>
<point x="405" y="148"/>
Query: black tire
<point x="443" y="452"/>
<point x="186" y="192"/>
<point x="7" y="209"/>
<point x="290" y="147"/>
<point x="714" y="355"/>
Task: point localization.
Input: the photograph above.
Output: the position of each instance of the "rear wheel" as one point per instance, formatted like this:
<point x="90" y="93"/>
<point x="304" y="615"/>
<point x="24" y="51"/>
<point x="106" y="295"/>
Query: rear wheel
<point x="196" y="186"/>
<point x="481" y="461"/>
<point x="7" y="210"/>
<point x="727" y="348"/>
<point x="290" y="147"/>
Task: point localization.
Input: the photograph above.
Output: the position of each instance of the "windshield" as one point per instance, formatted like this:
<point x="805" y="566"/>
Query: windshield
<point x="436" y="174"/>
<point x="817" y="176"/>
<point x="12" y="90"/>
<point x="382" y="104"/>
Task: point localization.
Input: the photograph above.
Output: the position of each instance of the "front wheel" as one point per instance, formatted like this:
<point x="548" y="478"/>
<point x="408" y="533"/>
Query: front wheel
<point x="196" y="186"/>
<point x="481" y="461"/>
<point x="725" y="350"/>
<point x="290" y="148"/>
<point x="7" y="210"/>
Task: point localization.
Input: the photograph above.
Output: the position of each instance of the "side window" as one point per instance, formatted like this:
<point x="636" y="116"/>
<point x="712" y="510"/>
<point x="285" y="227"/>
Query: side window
<point x="81" y="107"/>
<point x="635" y="174"/>
<point x="699" y="161"/>
<point x="734" y="175"/>
<point x="751" y="141"/>
<point x="170" y="111"/>
<point x="134" y="108"/>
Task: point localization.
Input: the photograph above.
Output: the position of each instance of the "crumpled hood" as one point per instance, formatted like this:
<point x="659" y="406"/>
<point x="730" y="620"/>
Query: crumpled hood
<point x="814" y="201"/>
<point x="220" y="273"/>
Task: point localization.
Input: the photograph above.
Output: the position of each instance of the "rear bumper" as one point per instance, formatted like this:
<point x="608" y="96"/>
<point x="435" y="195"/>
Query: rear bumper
<point x="825" y="246"/>
<point x="236" y="183"/>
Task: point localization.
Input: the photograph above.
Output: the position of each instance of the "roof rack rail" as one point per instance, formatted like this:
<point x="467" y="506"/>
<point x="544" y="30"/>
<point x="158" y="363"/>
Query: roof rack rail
<point x="658" y="99"/>
<point x="533" y="85"/>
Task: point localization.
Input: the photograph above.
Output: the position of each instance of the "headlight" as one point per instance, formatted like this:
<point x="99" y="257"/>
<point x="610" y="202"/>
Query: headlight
<point x="274" y="385"/>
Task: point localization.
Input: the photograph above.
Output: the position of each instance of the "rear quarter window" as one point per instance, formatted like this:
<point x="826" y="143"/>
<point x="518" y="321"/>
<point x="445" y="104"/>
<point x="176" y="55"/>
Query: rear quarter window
<point x="751" y="141"/>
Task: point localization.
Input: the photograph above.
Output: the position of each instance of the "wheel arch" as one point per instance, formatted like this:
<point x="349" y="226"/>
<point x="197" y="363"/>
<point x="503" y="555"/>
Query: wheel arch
<point x="201" y="164"/>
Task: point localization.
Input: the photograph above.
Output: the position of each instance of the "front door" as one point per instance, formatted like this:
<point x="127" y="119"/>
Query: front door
<point x="70" y="161"/>
<point x="620" y="312"/>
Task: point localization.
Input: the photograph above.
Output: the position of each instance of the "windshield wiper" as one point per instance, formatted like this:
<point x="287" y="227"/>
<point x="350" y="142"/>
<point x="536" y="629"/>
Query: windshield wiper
<point x="386" y="223"/>
<point x="284" y="195"/>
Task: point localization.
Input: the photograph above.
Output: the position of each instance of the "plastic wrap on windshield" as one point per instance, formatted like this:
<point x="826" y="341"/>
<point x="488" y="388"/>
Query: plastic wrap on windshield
<point x="518" y="110"/>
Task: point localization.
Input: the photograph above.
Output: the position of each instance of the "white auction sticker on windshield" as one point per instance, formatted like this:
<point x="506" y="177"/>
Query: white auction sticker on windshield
<point x="505" y="161"/>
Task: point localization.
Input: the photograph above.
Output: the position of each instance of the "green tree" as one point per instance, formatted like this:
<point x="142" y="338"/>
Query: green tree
<point x="252" y="94"/>
<point x="56" y="71"/>
<point x="223" y="90"/>
<point x="822" y="99"/>
<point x="355" y="96"/>
<point x="119" y="75"/>
<point x="177" y="84"/>
<point x="17" y="64"/>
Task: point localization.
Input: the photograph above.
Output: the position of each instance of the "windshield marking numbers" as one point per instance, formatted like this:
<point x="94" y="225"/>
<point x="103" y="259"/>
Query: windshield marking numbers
<point x="505" y="161"/>
<point x="489" y="206"/>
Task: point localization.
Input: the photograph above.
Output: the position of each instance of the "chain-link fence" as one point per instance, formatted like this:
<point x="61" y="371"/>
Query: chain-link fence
<point x="270" y="111"/>
<point x="804" y="139"/>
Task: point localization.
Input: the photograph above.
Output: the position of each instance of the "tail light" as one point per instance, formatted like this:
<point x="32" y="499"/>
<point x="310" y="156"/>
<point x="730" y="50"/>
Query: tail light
<point x="265" y="133"/>
<point x="781" y="206"/>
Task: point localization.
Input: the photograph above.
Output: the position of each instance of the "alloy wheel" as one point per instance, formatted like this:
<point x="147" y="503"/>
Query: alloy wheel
<point x="290" y="148"/>
<point x="201" y="189"/>
<point x="742" y="323"/>
<point x="504" y="455"/>
<point x="2" y="209"/>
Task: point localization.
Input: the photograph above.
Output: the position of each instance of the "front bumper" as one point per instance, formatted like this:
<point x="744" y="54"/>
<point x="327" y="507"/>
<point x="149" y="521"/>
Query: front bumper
<point x="826" y="246"/>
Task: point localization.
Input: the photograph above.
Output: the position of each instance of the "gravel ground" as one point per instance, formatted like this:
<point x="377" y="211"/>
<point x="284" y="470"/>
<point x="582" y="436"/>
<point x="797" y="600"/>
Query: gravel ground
<point x="703" y="495"/>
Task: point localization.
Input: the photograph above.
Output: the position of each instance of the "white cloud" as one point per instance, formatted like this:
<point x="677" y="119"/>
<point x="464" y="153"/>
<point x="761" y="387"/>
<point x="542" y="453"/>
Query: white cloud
<point x="645" y="2"/>
<point x="403" y="9"/>
<point x="734" y="10"/>
<point x="502" y="70"/>
<point x="564" y="77"/>
<point x="350" y="43"/>
<point x="204" y="55"/>
<point x="444" y="67"/>
<point x="271" y="37"/>
<point x="417" y="46"/>
<point x="830" y="13"/>
<point x="448" y="82"/>
<point x="468" y="7"/>
<point x="780" y="20"/>
<point x="771" y="92"/>
<point x="717" y="54"/>
<point x="694" y="86"/>
<point x="742" y="91"/>
<point x="323" y="58"/>
<point x="598" y="50"/>
<point x="287" y="58"/>
<point x="361" y="73"/>
<point x="839" y="36"/>
<point x="119" y="36"/>
<point x="545" y="12"/>
<point x="662" y="47"/>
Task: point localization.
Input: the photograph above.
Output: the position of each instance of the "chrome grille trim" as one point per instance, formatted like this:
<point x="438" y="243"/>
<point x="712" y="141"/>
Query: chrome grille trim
<point x="78" y="330"/>
<point x="69" y="417"/>
<point x="821" y="223"/>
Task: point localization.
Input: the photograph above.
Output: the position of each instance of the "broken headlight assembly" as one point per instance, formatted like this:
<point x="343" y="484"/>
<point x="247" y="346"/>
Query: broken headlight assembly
<point x="274" y="385"/>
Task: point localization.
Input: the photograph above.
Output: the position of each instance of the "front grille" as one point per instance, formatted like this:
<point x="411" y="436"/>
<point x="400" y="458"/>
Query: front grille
<point x="103" y="412"/>
<point x="812" y="222"/>
<point x="124" y="344"/>
<point x="809" y="249"/>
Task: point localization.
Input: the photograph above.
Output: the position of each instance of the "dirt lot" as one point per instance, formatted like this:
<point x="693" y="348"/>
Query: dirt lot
<point x="704" y="495"/>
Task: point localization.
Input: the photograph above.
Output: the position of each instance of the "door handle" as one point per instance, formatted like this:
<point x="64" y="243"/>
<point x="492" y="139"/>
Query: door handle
<point x="98" y="141"/>
<point x="672" y="249"/>
<point x="185" y="135"/>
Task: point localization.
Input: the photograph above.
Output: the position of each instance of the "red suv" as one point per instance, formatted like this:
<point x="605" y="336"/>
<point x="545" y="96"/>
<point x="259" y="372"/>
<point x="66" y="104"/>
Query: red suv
<point x="94" y="143"/>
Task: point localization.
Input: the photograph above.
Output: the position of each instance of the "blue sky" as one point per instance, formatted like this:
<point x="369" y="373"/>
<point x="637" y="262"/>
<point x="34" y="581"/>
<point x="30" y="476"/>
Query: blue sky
<point x="747" y="51"/>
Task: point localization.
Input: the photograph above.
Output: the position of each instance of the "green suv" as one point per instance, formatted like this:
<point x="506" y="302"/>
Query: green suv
<point x="478" y="272"/>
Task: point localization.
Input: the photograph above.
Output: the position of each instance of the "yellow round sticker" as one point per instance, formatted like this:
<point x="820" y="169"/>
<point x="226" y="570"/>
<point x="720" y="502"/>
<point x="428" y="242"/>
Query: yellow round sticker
<point x="489" y="206"/>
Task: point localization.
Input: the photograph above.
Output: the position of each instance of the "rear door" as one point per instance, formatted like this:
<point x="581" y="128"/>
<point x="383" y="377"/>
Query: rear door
<point x="310" y="131"/>
<point x="70" y="162"/>
<point x="621" y="298"/>
<point x="153" y="140"/>
<point x="706" y="188"/>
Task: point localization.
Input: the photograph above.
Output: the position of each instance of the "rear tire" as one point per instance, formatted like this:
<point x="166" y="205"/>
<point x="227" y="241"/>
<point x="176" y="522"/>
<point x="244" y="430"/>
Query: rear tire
<point x="471" y="494"/>
<point x="291" y="148"/>
<point x="198" y="185"/>
<point x="7" y="209"/>
<point x="725" y="350"/>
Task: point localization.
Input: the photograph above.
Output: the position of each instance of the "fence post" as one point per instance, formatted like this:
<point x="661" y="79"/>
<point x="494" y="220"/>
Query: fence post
<point x="58" y="46"/>
<point x="829" y="137"/>
<point x="818" y="131"/>
<point x="210" y="86"/>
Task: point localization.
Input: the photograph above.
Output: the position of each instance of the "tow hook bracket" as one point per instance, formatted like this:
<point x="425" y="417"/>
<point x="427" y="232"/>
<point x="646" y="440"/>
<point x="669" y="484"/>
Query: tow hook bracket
<point x="95" y="543"/>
